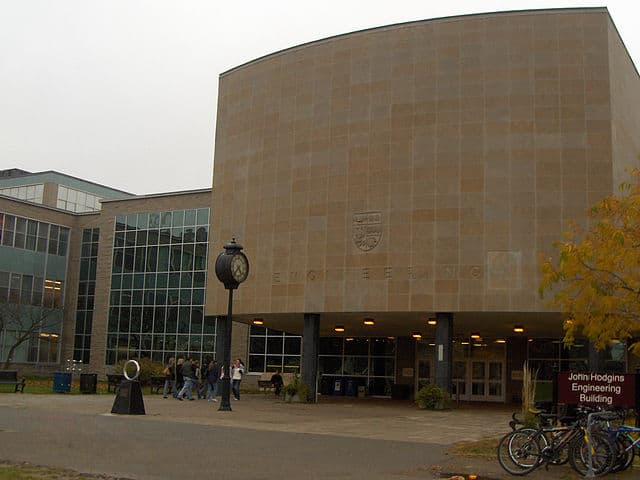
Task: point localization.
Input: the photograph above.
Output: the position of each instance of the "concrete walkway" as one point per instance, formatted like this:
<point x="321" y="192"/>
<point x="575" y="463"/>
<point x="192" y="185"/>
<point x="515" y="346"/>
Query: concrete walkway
<point x="384" y="439"/>
<point x="378" y="419"/>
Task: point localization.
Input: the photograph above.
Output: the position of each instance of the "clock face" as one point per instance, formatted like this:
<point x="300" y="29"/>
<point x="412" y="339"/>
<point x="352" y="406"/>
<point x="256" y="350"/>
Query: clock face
<point x="239" y="268"/>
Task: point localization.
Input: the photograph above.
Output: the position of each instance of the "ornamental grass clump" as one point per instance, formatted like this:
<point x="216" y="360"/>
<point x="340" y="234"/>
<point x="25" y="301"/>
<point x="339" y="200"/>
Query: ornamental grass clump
<point x="529" y="378"/>
<point x="297" y="390"/>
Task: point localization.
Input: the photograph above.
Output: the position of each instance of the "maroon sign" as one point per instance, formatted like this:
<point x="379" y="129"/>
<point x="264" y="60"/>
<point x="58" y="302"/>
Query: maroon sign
<point x="592" y="388"/>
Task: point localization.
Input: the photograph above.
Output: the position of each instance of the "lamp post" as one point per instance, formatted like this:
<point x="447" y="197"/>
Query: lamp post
<point x="232" y="268"/>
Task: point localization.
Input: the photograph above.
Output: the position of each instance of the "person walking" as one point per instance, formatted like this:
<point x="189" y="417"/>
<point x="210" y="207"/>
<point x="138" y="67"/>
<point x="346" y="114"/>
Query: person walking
<point x="213" y="377"/>
<point x="237" y="371"/>
<point x="179" y="377"/>
<point x="188" y="374"/>
<point x="169" y="377"/>
<point x="198" y="379"/>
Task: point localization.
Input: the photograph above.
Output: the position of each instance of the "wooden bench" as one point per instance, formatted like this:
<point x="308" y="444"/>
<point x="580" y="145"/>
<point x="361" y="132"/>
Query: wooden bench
<point x="114" y="380"/>
<point x="265" y="385"/>
<point x="10" y="377"/>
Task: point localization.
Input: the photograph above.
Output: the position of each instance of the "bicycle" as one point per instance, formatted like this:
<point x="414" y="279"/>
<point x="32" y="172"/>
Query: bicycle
<point x="546" y="420"/>
<point x="627" y="446"/>
<point x="523" y="450"/>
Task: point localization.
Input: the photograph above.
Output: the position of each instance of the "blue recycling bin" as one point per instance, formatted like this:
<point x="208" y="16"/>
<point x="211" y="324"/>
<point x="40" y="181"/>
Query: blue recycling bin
<point x="61" y="382"/>
<point x="338" y="386"/>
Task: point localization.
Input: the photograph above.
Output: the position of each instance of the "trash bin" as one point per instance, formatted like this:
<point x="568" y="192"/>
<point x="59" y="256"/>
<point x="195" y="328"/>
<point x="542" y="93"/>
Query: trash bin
<point x="362" y="391"/>
<point x="61" y="382"/>
<point x="326" y="385"/>
<point x="338" y="386"/>
<point x="88" y="382"/>
<point x="351" y="389"/>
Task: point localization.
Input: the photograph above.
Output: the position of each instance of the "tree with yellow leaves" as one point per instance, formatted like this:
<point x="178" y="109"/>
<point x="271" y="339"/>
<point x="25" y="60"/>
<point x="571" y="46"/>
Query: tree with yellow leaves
<point x="595" y="279"/>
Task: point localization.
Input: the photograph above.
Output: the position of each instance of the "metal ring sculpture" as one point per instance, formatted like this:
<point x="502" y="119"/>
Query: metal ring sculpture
<point x="124" y="370"/>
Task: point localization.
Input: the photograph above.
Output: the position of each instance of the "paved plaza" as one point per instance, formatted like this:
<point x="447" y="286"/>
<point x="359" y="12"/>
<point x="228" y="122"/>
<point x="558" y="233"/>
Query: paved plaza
<point x="346" y="438"/>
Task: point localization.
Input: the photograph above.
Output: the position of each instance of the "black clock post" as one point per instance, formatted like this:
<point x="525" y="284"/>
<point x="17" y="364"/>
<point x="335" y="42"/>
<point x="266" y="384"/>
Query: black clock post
<point x="232" y="268"/>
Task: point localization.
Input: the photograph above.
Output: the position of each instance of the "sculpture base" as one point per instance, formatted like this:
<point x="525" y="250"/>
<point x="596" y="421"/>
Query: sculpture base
<point x="129" y="399"/>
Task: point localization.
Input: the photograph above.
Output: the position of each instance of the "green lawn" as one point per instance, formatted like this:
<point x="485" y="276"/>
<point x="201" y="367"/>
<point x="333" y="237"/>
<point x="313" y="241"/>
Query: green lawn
<point x="23" y="471"/>
<point x="485" y="449"/>
<point x="40" y="385"/>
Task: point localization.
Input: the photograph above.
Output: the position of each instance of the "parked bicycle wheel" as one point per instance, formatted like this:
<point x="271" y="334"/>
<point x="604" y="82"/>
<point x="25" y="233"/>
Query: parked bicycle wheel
<point x="624" y="454"/>
<point x="519" y="452"/>
<point x="558" y="456"/>
<point x="602" y="455"/>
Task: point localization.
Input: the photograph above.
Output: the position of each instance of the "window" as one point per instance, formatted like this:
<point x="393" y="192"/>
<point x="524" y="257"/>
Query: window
<point x="369" y="361"/>
<point x="28" y="234"/>
<point x="30" y="193"/>
<point x="22" y="289"/>
<point x="271" y="350"/>
<point x="77" y="201"/>
<point x="8" y="230"/>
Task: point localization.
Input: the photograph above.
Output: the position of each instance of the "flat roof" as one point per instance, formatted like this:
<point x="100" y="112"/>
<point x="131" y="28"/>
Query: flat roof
<point x="20" y="175"/>
<point x="158" y="195"/>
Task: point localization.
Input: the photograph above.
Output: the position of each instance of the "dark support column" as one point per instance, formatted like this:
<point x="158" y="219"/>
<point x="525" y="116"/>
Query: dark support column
<point x="443" y="360"/>
<point x="310" y="347"/>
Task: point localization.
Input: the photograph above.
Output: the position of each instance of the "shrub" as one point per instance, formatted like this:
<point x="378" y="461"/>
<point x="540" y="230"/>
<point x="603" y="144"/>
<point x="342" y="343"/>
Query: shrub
<point x="148" y="369"/>
<point x="298" y="387"/>
<point x="431" y="397"/>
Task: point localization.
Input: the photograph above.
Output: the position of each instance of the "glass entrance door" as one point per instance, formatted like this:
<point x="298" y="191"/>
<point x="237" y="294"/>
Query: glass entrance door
<point x="495" y="381"/>
<point x="478" y="380"/>
<point x="459" y="380"/>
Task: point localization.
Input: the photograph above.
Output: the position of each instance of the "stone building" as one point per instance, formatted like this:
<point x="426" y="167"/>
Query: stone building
<point x="393" y="190"/>
<point x="402" y="181"/>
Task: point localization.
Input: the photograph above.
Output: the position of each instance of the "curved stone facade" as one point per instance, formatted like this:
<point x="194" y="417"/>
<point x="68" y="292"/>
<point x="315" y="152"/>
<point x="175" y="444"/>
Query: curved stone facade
<point x="414" y="168"/>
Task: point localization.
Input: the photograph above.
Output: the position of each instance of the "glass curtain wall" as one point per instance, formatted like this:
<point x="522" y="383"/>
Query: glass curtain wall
<point x="31" y="288"/>
<point x="86" y="294"/>
<point x="158" y="281"/>
<point x="357" y="362"/>
<point x="362" y="361"/>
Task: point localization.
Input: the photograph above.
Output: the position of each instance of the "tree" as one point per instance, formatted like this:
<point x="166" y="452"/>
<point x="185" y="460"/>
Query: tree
<point x="595" y="279"/>
<point x="21" y="322"/>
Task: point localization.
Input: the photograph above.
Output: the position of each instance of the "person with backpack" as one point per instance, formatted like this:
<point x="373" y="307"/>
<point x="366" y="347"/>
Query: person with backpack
<point x="169" y="377"/>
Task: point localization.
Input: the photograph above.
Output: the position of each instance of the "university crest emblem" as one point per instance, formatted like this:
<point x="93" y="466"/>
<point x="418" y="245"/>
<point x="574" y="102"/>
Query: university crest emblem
<point x="367" y="230"/>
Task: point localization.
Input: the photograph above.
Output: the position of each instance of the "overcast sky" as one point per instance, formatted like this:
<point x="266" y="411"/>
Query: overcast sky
<point x="124" y="93"/>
